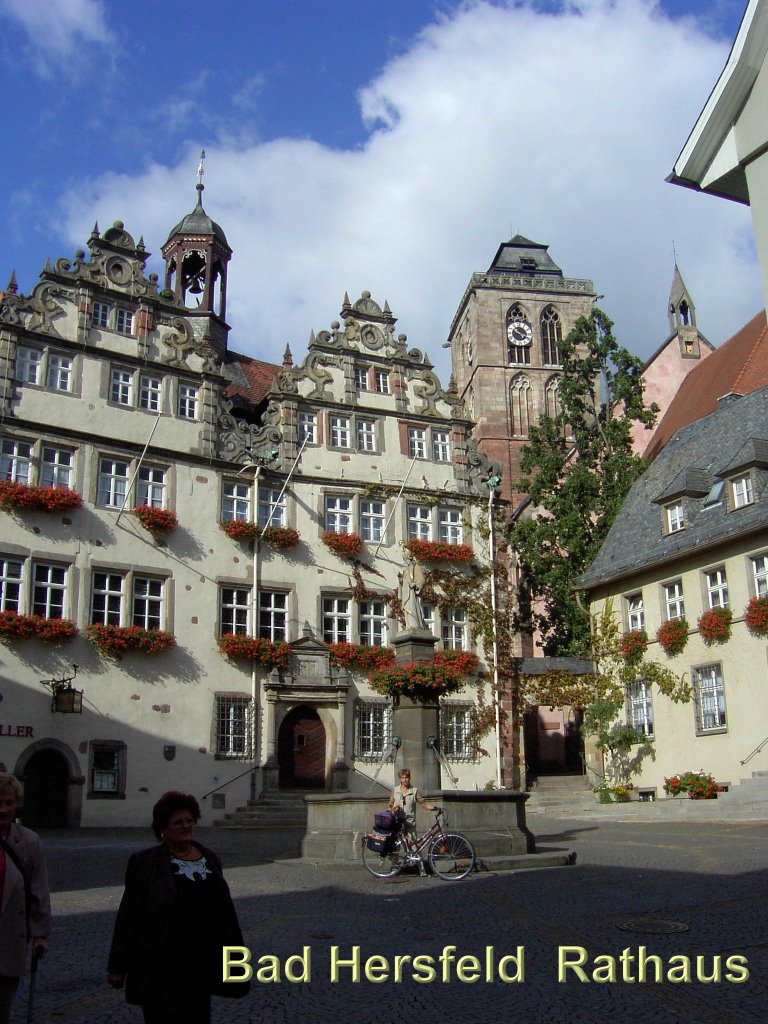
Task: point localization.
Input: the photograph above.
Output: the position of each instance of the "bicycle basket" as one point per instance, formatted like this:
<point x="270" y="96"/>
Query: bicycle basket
<point x="380" y="843"/>
<point x="385" y="822"/>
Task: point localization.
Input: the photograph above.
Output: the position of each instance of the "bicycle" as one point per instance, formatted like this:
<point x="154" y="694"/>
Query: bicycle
<point x="451" y="855"/>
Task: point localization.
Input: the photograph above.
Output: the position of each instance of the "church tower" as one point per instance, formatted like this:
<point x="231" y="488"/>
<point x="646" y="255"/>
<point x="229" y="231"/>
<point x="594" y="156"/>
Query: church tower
<point x="505" y="353"/>
<point x="196" y="257"/>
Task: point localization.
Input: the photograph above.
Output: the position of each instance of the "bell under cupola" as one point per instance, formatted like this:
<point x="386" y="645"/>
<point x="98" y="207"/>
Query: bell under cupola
<point x="682" y="312"/>
<point x="196" y="256"/>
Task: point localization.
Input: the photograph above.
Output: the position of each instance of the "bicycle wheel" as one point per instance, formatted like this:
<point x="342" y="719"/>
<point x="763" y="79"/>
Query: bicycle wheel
<point x="385" y="865"/>
<point x="451" y="856"/>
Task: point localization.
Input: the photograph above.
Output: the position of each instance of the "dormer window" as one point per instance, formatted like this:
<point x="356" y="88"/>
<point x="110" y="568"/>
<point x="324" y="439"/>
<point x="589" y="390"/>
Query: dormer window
<point x="675" y="519"/>
<point x="741" y="490"/>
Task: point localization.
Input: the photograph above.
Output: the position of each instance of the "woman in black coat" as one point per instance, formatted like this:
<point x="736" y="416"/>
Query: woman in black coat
<point x="175" y="915"/>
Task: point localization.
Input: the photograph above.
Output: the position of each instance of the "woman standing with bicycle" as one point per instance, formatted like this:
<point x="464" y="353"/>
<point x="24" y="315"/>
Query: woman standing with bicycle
<point x="404" y="799"/>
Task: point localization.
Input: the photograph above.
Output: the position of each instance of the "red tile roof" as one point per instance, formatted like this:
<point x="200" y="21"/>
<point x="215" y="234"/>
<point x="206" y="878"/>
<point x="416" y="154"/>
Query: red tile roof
<point x="258" y="374"/>
<point x="739" y="365"/>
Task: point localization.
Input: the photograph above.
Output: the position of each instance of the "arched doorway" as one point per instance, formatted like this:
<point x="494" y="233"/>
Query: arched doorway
<point x="46" y="783"/>
<point x="301" y="750"/>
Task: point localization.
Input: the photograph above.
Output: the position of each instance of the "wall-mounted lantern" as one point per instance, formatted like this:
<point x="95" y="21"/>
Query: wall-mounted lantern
<point x="66" y="700"/>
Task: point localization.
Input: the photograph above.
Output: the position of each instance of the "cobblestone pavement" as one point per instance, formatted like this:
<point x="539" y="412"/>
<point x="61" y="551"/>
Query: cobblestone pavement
<point x="708" y="880"/>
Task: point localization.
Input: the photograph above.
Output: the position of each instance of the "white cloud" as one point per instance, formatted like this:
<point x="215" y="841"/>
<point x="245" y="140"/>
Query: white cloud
<point x="57" y="32"/>
<point x="498" y="119"/>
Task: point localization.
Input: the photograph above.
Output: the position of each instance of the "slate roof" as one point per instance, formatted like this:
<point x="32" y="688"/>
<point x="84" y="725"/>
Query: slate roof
<point x="199" y="223"/>
<point x="520" y="255"/>
<point x="739" y="365"/>
<point x="713" y="444"/>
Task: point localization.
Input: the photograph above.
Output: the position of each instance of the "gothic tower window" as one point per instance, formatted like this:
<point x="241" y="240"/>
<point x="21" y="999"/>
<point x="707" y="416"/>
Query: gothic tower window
<point x="520" y="403"/>
<point x="552" y="398"/>
<point x="519" y="336"/>
<point x="551" y="336"/>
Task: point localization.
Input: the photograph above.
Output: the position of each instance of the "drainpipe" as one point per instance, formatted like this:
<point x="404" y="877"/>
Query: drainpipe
<point x="492" y="484"/>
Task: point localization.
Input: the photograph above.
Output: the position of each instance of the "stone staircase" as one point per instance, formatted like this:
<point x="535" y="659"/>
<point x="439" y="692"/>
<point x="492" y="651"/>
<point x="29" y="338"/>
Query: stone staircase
<point x="751" y="793"/>
<point x="553" y="794"/>
<point x="284" y="808"/>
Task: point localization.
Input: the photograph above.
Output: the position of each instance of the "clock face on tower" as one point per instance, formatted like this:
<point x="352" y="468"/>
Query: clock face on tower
<point x="519" y="332"/>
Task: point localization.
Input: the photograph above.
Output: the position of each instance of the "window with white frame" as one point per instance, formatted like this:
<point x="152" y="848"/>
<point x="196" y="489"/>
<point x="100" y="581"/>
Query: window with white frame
<point x="760" y="575"/>
<point x="59" y="374"/>
<point x="10" y="584"/>
<point x="372" y="520"/>
<point x="419" y="522"/>
<point x="308" y="427"/>
<point x="273" y="615"/>
<point x="105" y="769"/>
<point x="709" y="698"/>
<point x="417" y="443"/>
<point x="235" y="501"/>
<point x="337" y="619"/>
<point x="124" y="321"/>
<point x="112" y="482"/>
<point x="449" y="526"/>
<point x="457" y="731"/>
<point x="339" y="431"/>
<point x="49" y="589"/>
<point x="428" y="615"/>
<point x="381" y="381"/>
<point x="674" y="604"/>
<point x="635" y="611"/>
<point x="454" y="629"/>
<point x="101" y="315"/>
<point x="107" y="593"/>
<point x="441" y="449"/>
<point x="674" y="517"/>
<point x="741" y="489"/>
<point x="234" y="610"/>
<point x="15" y="461"/>
<point x="372" y="622"/>
<point x="150" y="390"/>
<point x="29" y="362"/>
<point x="150" y="487"/>
<point x="373" y="727"/>
<point x="56" y="465"/>
<point x="717" y="588"/>
<point x="189" y="401"/>
<point x="640" y="707"/>
<point x="127" y="599"/>
<point x="234" y="726"/>
<point x="366" y="434"/>
<point x="147" y="602"/>
<point x="338" y="514"/>
<point x="362" y="378"/>
<point x="121" y="386"/>
<point x="271" y="507"/>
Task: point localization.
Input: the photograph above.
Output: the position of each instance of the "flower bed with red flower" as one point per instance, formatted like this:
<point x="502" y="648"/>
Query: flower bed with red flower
<point x="425" y="681"/>
<point x="112" y="640"/>
<point x="698" y="785"/>
<point x="22" y="627"/>
<point x="268" y="653"/>
<point x="673" y="636"/>
<point x="345" y="545"/>
<point x="156" y="520"/>
<point x="715" y="625"/>
<point x="633" y="645"/>
<point x="439" y="551"/>
<point x="240" y="529"/>
<point x="359" y="656"/>
<point x="28" y="498"/>
<point x="281" y="537"/>
<point x="756" y="616"/>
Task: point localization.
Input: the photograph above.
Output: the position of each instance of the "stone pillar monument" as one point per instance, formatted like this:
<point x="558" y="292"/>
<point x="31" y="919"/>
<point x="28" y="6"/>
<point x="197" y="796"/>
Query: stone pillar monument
<point x="413" y="722"/>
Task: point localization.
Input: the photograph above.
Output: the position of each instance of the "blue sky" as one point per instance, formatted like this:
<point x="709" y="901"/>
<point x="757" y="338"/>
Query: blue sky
<point x="387" y="146"/>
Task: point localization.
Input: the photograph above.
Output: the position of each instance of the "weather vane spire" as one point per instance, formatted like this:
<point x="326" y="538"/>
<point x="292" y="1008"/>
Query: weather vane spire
<point x="201" y="167"/>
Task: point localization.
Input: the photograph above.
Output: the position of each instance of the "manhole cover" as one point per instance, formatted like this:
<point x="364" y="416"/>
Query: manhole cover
<point x="653" y="926"/>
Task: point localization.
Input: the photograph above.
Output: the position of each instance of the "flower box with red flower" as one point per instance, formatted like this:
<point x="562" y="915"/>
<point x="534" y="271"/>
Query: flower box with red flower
<point x="426" y="681"/>
<point x="697" y="785"/>
<point x="15" y="627"/>
<point x="439" y="551"/>
<point x="361" y="657"/>
<point x="673" y="636"/>
<point x="715" y="625"/>
<point x="345" y="545"/>
<point x="156" y="520"/>
<point x="240" y="529"/>
<point x="29" y="498"/>
<point x="633" y="645"/>
<point x="756" y="616"/>
<point x="115" y="640"/>
<point x="22" y="627"/>
<point x="269" y="653"/>
<point x="280" y="537"/>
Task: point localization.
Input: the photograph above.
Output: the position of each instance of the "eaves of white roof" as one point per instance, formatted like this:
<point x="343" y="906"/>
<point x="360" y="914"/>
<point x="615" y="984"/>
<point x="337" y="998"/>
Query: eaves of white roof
<point x="710" y="151"/>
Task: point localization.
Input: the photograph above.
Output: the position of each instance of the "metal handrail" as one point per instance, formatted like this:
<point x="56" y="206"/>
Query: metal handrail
<point x="225" y="784"/>
<point x="757" y="750"/>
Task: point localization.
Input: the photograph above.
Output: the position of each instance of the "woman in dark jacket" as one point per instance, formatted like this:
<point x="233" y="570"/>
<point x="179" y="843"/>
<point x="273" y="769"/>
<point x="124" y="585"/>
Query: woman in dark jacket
<point x="175" y="915"/>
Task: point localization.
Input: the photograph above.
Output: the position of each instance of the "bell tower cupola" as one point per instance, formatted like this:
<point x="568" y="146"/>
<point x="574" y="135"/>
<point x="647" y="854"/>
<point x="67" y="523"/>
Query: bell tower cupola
<point x="196" y="257"/>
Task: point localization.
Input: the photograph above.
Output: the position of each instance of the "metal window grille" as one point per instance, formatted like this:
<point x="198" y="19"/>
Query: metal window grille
<point x="234" y="727"/>
<point x="373" y="730"/>
<point x="457" y="731"/>
<point x="640" y="706"/>
<point x="709" y="698"/>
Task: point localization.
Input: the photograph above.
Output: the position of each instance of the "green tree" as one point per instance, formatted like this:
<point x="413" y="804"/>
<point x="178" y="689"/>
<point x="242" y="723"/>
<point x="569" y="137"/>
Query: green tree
<point x="579" y="466"/>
